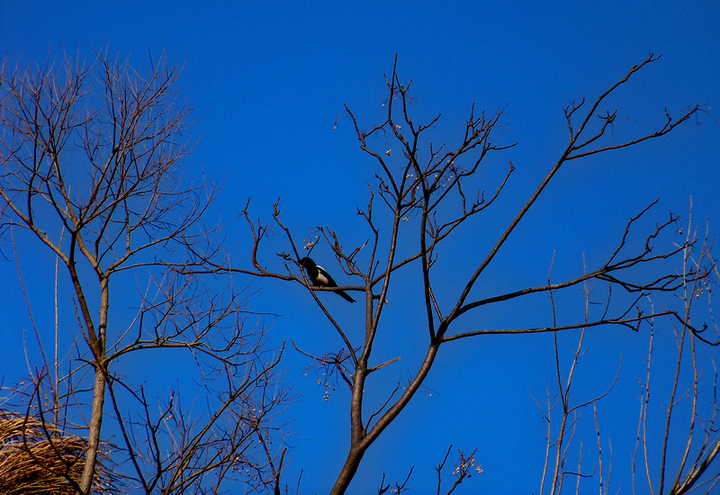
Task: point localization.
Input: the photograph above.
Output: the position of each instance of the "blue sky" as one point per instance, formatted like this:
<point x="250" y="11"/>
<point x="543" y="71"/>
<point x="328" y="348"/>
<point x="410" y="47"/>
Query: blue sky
<point x="268" y="80"/>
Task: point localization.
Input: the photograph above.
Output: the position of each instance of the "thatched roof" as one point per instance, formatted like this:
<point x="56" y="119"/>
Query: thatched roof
<point x="37" y="458"/>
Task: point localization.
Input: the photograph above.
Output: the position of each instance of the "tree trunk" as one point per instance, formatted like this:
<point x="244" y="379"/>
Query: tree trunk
<point x="348" y="471"/>
<point x="95" y="427"/>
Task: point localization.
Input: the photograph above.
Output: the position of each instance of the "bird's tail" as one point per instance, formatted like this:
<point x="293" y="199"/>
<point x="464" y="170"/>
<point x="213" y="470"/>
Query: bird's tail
<point x="345" y="296"/>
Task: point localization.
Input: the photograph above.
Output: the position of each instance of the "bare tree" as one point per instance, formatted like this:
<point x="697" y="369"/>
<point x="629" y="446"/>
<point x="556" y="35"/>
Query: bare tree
<point x="697" y="430"/>
<point x="90" y="166"/>
<point x="428" y="191"/>
<point x="653" y="442"/>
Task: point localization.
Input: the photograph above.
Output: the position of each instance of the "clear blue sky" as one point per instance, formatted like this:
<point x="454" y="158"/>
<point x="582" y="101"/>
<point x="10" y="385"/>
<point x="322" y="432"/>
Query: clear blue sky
<point x="268" y="80"/>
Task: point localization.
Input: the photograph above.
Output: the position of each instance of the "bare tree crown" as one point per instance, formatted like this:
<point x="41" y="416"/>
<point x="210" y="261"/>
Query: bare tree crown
<point x="426" y="192"/>
<point x="91" y="159"/>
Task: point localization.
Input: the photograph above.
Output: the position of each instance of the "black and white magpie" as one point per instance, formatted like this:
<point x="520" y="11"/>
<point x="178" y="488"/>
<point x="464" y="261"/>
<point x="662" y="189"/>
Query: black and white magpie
<point x="318" y="276"/>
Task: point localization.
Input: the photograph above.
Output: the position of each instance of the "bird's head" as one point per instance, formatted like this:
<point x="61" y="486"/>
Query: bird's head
<point x="307" y="263"/>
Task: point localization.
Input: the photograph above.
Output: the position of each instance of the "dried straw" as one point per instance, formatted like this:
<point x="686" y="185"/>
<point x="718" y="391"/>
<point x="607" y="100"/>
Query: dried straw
<point x="43" y="459"/>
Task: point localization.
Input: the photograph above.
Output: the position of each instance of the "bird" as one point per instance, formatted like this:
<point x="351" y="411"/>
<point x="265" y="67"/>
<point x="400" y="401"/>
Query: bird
<point x="318" y="276"/>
